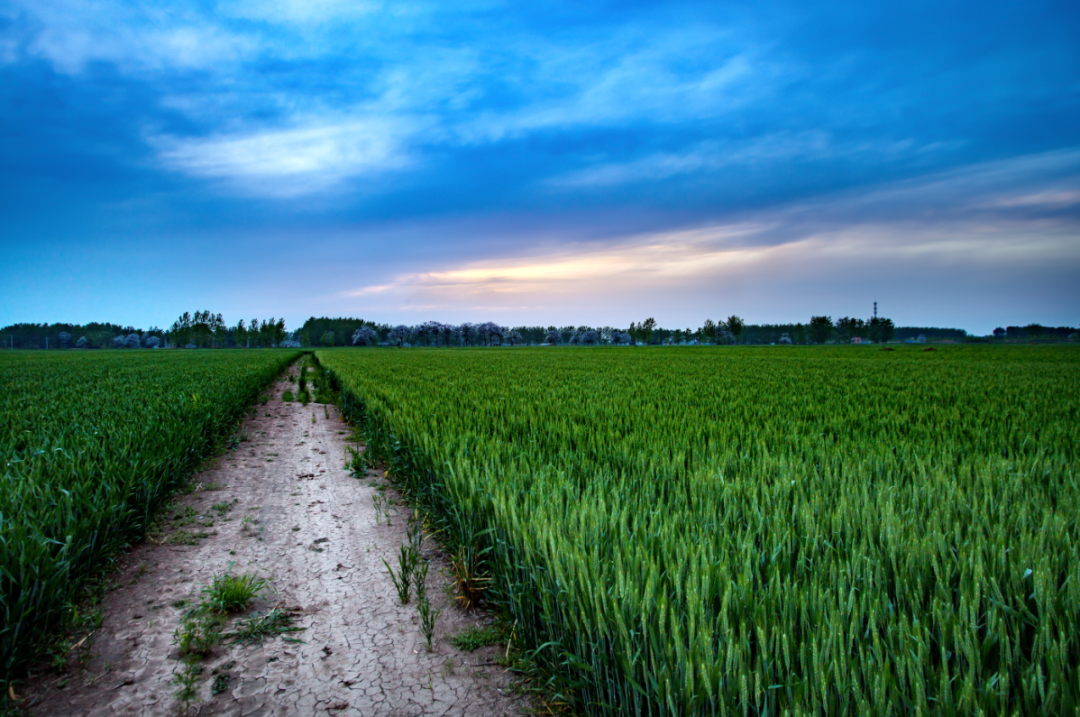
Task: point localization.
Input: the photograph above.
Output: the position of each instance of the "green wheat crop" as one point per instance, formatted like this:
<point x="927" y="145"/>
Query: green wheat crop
<point x="91" y="444"/>
<point x="756" y="531"/>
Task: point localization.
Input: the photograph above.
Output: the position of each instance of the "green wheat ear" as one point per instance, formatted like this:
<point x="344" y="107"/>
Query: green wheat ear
<point x="730" y="530"/>
<point x="92" y="445"/>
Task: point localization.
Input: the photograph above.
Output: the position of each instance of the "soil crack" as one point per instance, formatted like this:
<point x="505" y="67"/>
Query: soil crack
<point x="359" y="651"/>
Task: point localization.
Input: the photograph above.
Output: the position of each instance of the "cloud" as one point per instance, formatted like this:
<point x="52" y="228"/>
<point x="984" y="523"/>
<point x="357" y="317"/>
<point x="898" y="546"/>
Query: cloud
<point x="723" y="252"/>
<point x="984" y="237"/>
<point x="137" y="38"/>
<point x="300" y="11"/>
<point x="293" y="162"/>
<point x="621" y="81"/>
<point x="776" y="149"/>
<point x="1040" y="199"/>
<point x="704" y="157"/>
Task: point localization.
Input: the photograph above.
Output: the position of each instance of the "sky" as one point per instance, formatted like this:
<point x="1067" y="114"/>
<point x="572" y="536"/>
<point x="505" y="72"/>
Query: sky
<point x="540" y="163"/>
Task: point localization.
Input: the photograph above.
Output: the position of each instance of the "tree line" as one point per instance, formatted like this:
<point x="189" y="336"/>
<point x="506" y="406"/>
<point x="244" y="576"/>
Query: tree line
<point x="94" y="335"/>
<point x="206" y="329"/>
<point x="325" y="331"/>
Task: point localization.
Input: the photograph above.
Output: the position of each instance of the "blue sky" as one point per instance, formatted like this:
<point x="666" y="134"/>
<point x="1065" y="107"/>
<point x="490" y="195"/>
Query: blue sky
<point x="540" y="163"/>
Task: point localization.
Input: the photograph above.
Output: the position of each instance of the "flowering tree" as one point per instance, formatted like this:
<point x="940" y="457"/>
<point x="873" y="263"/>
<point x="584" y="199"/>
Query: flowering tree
<point x="513" y="338"/>
<point x="590" y="338"/>
<point x="65" y="338"/>
<point x="449" y="332"/>
<point x="491" y="333"/>
<point x="430" y="330"/>
<point x="467" y="333"/>
<point x="153" y="342"/>
<point x="552" y="337"/>
<point x="399" y="334"/>
<point x="133" y="341"/>
<point x="81" y="343"/>
<point x="364" y="336"/>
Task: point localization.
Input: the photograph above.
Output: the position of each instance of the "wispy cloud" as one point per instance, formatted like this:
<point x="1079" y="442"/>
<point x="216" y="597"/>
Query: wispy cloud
<point x="763" y="151"/>
<point x="293" y="162"/>
<point x="620" y="81"/>
<point x="810" y="247"/>
<point x="706" y="156"/>
<point x="138" y="38"/>
<point x="300" y="11"/>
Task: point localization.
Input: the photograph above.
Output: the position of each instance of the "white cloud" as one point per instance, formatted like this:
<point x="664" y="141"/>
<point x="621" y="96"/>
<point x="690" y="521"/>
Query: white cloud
<point x="830" y="249"/>
<point x="627" y="79"/>
<point x="293" y="162"/>
<point x="300" y="11"/>
<point x="137" y="38"/>
<point x="706" y="156"/>
<point x="1049" y="199"/>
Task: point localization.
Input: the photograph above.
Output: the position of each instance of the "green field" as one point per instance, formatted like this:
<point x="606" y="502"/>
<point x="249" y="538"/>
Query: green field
<point x="91" y="444"/>
<point x="756" y="531"/>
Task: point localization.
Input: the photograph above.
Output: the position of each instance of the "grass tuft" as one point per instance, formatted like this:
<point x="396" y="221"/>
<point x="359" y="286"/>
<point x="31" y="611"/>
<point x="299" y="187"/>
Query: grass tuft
<point x="473" y="638"/>
<point x="232" y="593"/>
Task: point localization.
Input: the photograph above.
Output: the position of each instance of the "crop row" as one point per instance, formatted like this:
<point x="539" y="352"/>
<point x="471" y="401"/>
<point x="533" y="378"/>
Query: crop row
<point x="90" y="447"/>
<point x="694" y="532"/>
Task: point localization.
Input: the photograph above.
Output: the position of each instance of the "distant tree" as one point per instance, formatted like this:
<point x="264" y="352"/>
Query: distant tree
<point x="467" y="332"/>
<point x="432" y="330"/>
<point x="709" y="329"/>
<point x="65" y="338"/>
<point x="881" y="330"/>
<point x="513" y="338"/>
<point x="735" y="325"/>
<point x="799" y="334"/>
<point x="119" y="342"/>
<point x="133" y="341"/>
<point x="999" y="333"/>
<point x="491" y="333"/>
<point x="590" y="338"/>
<point x="821" y="328"/>
<point x="447" y="331"/>
<point x="847" y="328"/>
<point x="398" y="335"/>
<point x="327" y="339"/>
<point x="644" y="330"/>
<point x="364" y="336"/>
<point x="81" y="343"/>
<point x="552" y="337"/>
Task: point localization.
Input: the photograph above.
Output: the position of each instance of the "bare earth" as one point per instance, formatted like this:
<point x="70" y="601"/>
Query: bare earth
<point x="317" y="541"/>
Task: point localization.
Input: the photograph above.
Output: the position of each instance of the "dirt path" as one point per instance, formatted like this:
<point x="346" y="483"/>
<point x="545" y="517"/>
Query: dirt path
<point x="301" y="521"/>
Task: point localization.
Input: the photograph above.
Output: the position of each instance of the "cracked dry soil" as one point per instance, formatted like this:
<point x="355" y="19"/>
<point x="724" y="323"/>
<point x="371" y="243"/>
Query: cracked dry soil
<point x="318" y="543"/>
